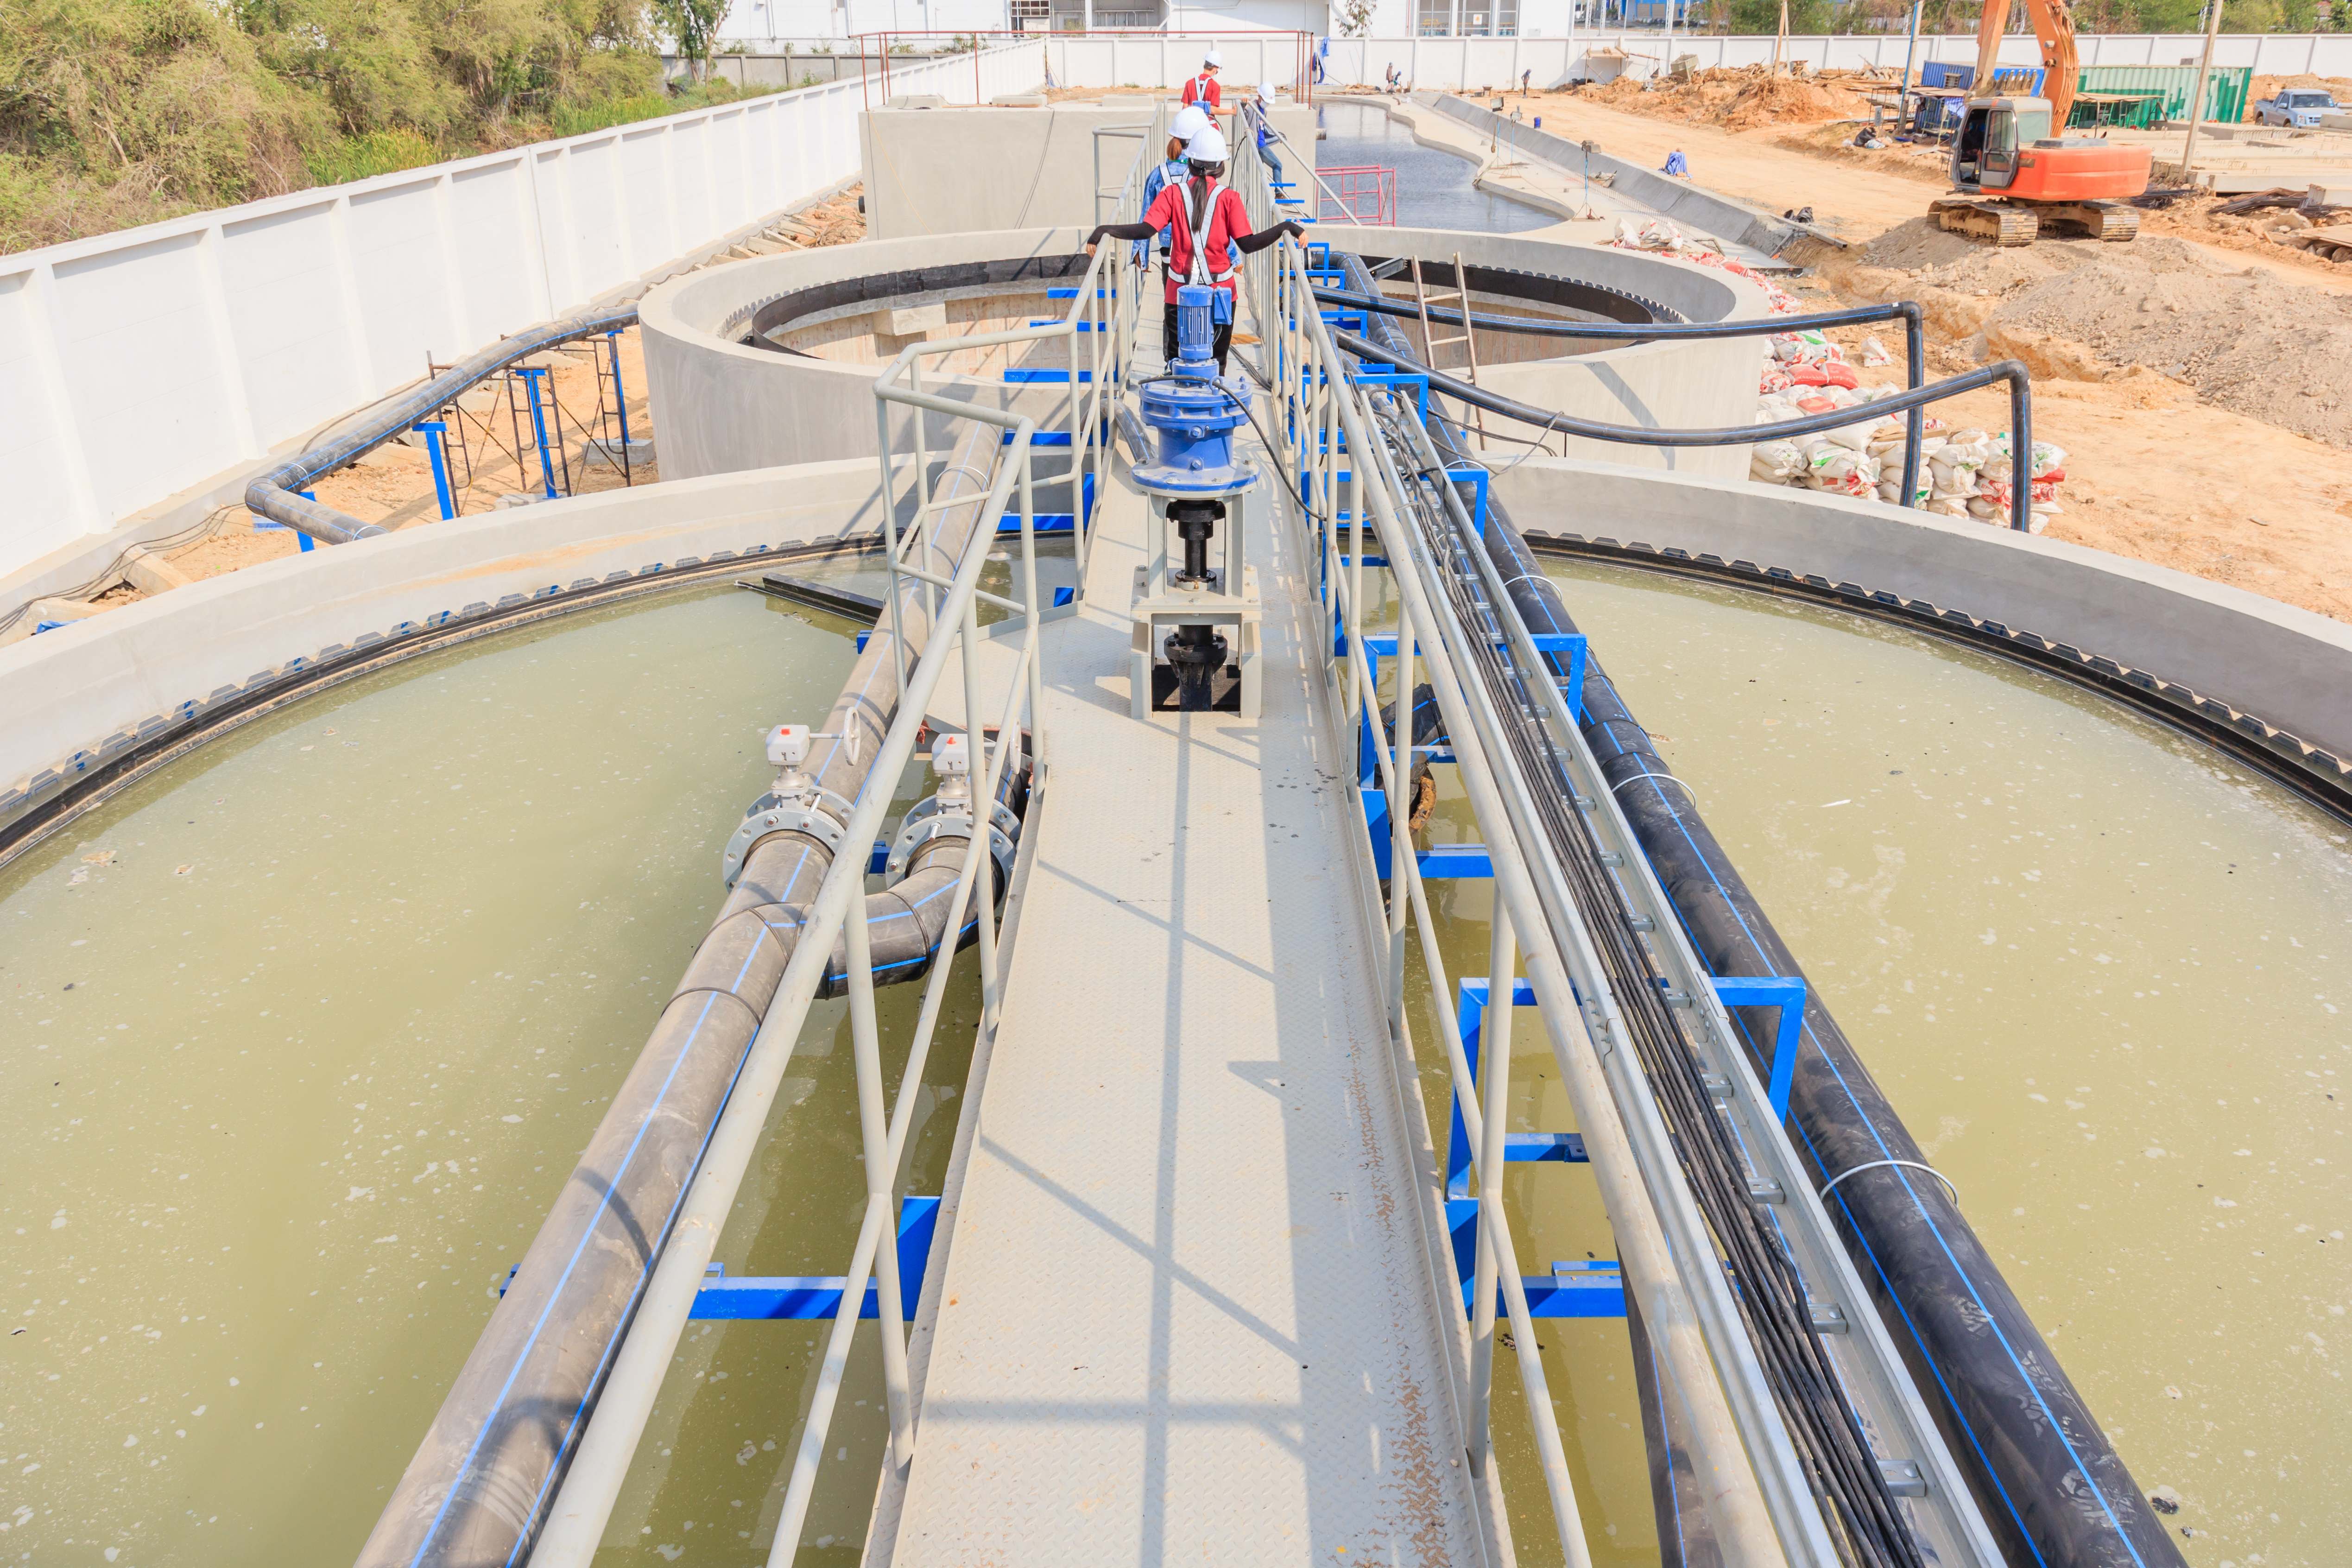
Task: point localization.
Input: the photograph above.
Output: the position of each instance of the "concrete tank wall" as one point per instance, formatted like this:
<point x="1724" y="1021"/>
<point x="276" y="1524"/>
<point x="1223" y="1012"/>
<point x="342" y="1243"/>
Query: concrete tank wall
<point x="1663" y="386"/>
<point x="722" y="406"/>
<point x="2274" y="672"/>
<point x="80" y="697"/>
<point x="946" y="170"/>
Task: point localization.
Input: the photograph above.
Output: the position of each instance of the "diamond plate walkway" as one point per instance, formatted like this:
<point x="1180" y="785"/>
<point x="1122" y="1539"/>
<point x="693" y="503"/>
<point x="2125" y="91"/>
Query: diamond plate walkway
<point x="1187" y="1312"/>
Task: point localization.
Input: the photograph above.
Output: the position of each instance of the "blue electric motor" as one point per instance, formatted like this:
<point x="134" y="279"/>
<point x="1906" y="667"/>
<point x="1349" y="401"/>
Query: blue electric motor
<point x="1193" y="411"/>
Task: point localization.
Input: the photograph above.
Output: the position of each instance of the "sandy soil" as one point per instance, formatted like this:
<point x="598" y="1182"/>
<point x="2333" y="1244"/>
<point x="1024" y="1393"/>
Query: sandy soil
<point x="2157" y="469"/>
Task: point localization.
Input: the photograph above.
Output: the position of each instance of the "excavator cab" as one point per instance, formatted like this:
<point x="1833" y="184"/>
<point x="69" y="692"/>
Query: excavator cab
<point x="1985" y="154"/>
<point x="2010" y="175"/>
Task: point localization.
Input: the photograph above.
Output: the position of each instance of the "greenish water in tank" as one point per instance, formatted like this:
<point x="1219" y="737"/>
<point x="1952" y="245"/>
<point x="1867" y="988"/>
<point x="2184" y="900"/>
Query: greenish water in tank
<point x="2100" y="969"/>
<point x="304" y="1033"/>
<point x="349" y="989"/>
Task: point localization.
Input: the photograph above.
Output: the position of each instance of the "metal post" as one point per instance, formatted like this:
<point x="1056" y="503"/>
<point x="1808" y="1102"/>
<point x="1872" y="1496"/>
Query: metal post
<point x="1032" y="612"/>
<point x="1400" y="809"/>
<point x="984" y="898"/>
<point x="435" y="432"/>
<point x="2196" y="95"/>
<point x="1911" y="49"/>
<point x="2020" y="444"/>
<point x="1915" y="422"/>
<point x="621" y="396"/>
<point x="1495" y="1078"/>
<point x="881" y="1179"/>
<point x="530" y="375"/>
<point x="890" y="536"/>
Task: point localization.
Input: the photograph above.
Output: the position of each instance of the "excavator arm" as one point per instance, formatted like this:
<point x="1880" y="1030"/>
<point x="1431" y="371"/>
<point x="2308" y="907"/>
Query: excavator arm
<point x="2054" y="26"/>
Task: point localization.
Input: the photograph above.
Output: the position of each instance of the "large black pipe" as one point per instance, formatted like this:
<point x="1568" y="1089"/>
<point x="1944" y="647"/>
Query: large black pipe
<point x="2021" y="415"/>
<point x="477" y="1490"/>
<point x="2045" y="1477"/>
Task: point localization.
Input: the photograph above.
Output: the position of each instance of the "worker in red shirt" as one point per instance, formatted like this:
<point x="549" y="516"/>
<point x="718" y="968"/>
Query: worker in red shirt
<point x="1203" y="89"/>
<point x="1210" y="231"/>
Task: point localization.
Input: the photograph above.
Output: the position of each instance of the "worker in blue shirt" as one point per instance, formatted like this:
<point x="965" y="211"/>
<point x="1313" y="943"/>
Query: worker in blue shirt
<point x="1261" y="110"/>
<point x="1189" y="122"/>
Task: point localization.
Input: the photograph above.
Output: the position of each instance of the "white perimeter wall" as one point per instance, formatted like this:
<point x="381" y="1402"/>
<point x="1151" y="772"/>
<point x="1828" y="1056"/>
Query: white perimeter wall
<point x="1494" y="62"/>
<point x="139" y="365"/>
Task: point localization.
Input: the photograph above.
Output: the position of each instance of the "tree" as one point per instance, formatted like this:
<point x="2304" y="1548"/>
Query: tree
<point x="1355" y="19"/>
<point x="693" y="23"/>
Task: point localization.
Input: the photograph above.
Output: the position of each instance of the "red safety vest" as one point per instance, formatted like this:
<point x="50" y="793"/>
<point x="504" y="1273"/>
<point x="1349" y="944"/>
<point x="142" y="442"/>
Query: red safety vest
<point x="1203" y="89"/>
<point x="1212" y="263"/>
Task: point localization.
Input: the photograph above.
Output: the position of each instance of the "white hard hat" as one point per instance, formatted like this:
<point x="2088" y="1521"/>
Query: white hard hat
<point x="1208" y="147"/>
<point x="1214" y="58"/>
<point x="1190" y="121"/>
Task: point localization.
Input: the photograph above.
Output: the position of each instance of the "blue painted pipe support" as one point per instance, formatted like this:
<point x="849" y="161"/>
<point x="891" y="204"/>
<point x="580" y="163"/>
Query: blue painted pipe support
<point x="530" y="375"/>
<point x="795" y="1297"/>
<point x="435" y="432"/>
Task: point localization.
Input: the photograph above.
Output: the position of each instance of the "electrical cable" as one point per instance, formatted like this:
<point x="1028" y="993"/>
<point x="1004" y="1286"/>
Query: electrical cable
<point x="1865" y="1521"/>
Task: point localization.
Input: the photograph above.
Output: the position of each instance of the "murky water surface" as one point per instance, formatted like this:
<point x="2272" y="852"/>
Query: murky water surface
<point x="302" y="1037"/>
<point x="1434" y="188"/>
<point x="2101" y="971"/>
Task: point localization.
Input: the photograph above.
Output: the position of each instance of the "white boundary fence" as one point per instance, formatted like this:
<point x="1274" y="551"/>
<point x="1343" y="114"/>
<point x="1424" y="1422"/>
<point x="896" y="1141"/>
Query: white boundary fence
<point x="137" y="365"/>
<point x="140" y="365"/>
<point x="1497" y="62"/>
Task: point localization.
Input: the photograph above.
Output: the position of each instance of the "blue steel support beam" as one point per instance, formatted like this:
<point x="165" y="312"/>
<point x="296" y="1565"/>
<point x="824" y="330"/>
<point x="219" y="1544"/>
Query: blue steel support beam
<point x="1786" y="991"/>
<point x="789" y="1297"/>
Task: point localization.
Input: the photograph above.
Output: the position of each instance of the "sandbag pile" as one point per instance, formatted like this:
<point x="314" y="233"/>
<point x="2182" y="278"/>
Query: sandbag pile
<point x="1962" y="473"/>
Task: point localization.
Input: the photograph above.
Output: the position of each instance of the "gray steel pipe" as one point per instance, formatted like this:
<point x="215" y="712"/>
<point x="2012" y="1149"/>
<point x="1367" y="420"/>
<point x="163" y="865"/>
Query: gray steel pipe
<point x="479" y="1485"/>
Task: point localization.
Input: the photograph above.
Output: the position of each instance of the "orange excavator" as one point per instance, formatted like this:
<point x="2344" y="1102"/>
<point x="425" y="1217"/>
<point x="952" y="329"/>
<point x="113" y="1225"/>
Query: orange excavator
<point x="2013" y="167"/>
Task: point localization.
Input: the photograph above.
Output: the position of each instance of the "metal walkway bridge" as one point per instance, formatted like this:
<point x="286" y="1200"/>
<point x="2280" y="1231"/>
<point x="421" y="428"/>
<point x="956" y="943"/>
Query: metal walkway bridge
<point x="1205" y="1284"/>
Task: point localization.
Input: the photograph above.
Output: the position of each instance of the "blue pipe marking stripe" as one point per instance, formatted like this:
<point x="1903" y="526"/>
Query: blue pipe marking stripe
<point x="2048" y="1416"/>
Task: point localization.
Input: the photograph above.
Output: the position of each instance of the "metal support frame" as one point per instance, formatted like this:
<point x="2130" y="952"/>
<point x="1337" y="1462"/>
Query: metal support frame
<point x="436" y="433"/>
<point x="1760" y="1505"/>
<point x="529" y="376"/>
<point x="1100" y="325"/>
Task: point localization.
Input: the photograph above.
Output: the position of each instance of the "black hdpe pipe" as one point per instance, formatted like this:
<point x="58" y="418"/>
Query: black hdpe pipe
<point x="1368" y="298"/>
<point x="476" y="1493"/>
<point x="273" y="495"/>
<point x="2045" y="1477"/>
<point x="2020" y="417"/>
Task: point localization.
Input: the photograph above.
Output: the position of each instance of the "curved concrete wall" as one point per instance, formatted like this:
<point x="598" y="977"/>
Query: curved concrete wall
<point x="721" y="407"/>
<point x="1663" y="386"/>
<point x="2279" y="675"/>
<point x="77" y="698"/>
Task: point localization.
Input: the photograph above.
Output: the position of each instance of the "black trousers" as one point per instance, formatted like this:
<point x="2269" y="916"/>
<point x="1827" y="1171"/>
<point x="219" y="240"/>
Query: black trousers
<point x="1222" y="346"/>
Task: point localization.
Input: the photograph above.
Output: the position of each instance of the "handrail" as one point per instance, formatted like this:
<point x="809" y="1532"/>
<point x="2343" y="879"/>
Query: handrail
<point x="2020" y="416"/>
<point x="1327" y="418"/>
<point x="576" y="1524"/>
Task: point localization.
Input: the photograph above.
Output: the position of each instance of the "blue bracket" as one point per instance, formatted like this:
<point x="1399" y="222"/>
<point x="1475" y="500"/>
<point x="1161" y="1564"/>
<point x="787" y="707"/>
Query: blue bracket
<point x="790" y="1298"/>
<point x="1053" y="522"/>
<point x="1056" y="377"/>
<point x="1572" y="1289"/>
<point x="435" y="432"/>
<point x="530" y="375"/>
<point x="1454" y="861"/>
<point x="880" y="861"/>
<point x="1786" y="991"/>
<point x="1073" y="293"/>
<point x="1396" y="378"/>
<point x="1040" y="439"/>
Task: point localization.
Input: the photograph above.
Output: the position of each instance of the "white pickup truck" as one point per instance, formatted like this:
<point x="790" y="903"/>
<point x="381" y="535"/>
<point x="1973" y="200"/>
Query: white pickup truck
<point x="2297" y="108"/>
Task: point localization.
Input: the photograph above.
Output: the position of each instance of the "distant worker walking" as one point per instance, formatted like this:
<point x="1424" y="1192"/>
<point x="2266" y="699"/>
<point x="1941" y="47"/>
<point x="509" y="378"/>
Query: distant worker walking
<point x="1189" y="122"/>
<point x="1203" y="89"/>
<point x="1212" y="232"/>
<point x="1261" y="112"/>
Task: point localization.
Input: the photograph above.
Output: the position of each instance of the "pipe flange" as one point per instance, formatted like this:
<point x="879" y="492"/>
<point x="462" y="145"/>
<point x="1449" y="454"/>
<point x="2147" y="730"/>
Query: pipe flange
<point x="999" y="814"/>
<point x="769" y="815"/>
<point x="915" y="835"/>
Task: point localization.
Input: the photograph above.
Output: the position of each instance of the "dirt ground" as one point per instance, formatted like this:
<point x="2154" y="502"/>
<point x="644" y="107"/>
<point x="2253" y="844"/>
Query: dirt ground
<point x="2180" y="450"/>
<point x="392" y="485"/>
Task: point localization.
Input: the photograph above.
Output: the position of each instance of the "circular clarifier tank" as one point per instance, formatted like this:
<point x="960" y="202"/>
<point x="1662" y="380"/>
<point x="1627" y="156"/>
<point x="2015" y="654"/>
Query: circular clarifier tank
<point x="305" y="1032"/>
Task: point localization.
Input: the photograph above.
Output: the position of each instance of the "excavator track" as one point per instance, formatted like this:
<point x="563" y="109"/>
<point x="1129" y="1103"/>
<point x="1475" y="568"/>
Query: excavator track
<point x="2003" y="222"/>
<point x="2111" y="221"/>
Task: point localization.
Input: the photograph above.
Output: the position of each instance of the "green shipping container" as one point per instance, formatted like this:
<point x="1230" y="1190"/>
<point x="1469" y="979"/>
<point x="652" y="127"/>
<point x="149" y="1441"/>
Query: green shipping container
<point x="2227" y="88"/>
